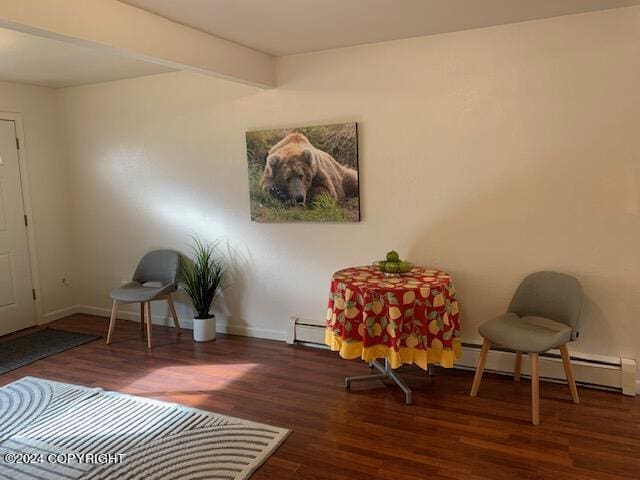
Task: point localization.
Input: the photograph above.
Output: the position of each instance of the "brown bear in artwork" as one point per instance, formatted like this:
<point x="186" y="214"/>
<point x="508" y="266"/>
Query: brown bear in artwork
<point x="296" y="171"/>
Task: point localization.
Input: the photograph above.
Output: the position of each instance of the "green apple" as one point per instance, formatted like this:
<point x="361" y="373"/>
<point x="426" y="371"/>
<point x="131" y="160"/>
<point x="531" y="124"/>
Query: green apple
<point x="391" y="267"/>
<point x="404" y="266"/>
<point x="381" y="264"/>
<point x="393" y="256"/>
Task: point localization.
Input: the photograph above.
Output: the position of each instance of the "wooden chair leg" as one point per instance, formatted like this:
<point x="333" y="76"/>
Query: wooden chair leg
<point x="486" y="345"/>
<point x="535" y="389"/>
<point x="172" y="308"/>
<point x="142" y="321"/>
<point x="148" y="310"/>
<point x="566" y="360"/>
<point x="516" y="370"/>
<point x="112" y="321"/>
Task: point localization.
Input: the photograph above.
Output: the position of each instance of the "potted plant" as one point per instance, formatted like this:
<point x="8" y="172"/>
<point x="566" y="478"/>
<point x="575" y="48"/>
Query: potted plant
<point x="201" y="278"/>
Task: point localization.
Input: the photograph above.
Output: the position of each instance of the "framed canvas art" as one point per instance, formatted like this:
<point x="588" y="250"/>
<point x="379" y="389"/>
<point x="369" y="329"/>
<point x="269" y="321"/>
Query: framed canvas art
<point x="307" y="174"/>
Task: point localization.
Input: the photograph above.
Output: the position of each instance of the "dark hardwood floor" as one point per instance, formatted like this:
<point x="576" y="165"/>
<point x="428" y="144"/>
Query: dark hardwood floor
<point x="368" y="433"/>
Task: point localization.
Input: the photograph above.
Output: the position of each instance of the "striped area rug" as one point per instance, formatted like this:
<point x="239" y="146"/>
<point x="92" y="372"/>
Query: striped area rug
<point x="51" y="430"/>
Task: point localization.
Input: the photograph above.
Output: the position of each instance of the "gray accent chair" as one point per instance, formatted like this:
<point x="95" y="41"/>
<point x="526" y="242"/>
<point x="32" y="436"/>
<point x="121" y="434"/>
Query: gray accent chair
<point x="154" y="279"/>
<point x="543" y="314"/>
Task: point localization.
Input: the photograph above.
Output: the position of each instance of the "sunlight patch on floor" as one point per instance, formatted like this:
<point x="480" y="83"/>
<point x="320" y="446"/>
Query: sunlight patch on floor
<point x="184" y="379"/>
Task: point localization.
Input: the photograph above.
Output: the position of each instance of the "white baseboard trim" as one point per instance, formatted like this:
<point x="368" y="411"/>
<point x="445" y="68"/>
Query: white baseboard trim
<point x="589" y="370"/>
<point x="134" y="316"/>
<point x="586" y="372"/>
<point x="246" y="330"/>
<point x="58" y="314"/>
<point x="222" y="324"/>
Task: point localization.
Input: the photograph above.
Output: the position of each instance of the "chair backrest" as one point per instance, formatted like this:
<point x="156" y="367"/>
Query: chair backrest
<point x="552" y="295"/>
<point x="158" y="266"/>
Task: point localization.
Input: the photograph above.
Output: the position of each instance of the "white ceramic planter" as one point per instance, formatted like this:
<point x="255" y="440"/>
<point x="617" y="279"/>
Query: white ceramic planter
<point x="204" y="329"/>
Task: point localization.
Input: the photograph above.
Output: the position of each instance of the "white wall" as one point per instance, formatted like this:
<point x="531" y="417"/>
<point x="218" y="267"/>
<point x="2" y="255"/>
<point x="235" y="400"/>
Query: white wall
<point x="488" y="153"/>
<point x="50" y="192"/>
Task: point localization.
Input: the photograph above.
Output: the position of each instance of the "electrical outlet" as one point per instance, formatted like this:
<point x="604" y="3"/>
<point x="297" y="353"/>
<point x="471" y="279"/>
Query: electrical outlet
<point x="65" y="282"/>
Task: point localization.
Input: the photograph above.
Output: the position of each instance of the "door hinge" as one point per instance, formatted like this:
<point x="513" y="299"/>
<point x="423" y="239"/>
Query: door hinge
<point x="26" y="221"/>
<point x="17" y="143"/>
<point x="33" y="291"/>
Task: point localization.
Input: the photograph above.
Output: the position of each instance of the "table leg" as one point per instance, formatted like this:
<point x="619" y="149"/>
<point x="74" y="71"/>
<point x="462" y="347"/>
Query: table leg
<point x="363" y="378"/>
<point x="385" y="372"/>
<point x="398" y="381"/>
<point x="381" y="368"/>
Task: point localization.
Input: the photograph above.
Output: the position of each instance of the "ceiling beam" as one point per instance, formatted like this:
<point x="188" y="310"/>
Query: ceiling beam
<point x="127" y="30"/>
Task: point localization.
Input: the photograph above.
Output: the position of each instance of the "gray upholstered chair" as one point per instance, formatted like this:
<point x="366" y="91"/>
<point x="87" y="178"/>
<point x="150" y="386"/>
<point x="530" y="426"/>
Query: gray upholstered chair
<point x="154" y="279"/>
<point x="543" y="314"/>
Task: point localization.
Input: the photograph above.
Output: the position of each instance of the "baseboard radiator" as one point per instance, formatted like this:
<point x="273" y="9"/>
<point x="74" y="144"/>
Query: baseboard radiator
<point x="617" y="374"/>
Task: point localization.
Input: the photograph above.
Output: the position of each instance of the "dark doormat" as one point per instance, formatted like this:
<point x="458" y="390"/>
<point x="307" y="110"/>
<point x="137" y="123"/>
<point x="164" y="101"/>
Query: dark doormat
<point x="25" y="349"/>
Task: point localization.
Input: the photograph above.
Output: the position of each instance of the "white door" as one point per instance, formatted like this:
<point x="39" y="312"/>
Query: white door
<point x="16" y="296"/>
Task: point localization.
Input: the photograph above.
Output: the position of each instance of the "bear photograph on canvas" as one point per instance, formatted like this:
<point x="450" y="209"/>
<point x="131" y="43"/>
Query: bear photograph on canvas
<point x="307" y="174"/>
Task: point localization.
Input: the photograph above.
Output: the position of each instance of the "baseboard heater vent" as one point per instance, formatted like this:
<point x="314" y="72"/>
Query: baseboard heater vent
<point x="618" y="374"/>
<point x="306" y="332"/>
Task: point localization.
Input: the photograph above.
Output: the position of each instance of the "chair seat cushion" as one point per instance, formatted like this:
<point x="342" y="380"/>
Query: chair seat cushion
<point x="136" y="292"/>
<point x="525" y="334"/>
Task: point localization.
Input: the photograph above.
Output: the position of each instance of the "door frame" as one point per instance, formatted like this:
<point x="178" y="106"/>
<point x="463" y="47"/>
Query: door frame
<point x="16" y="118"/>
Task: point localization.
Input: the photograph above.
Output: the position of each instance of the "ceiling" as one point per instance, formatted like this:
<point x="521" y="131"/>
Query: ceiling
<point x="40" y="61"/>
<point x="277" y="27"/>
<point x="284" y="27"/>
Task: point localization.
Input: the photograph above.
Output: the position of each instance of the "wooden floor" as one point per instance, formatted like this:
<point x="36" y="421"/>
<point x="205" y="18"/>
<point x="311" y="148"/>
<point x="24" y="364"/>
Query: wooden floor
<point x="368" y="433"/>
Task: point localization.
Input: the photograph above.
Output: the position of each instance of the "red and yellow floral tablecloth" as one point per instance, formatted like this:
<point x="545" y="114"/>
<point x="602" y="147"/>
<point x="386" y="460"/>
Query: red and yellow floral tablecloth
<point x="412" y="318"/>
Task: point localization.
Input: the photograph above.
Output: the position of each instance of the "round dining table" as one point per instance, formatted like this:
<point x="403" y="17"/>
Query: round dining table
<point x="411" y="318"/>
